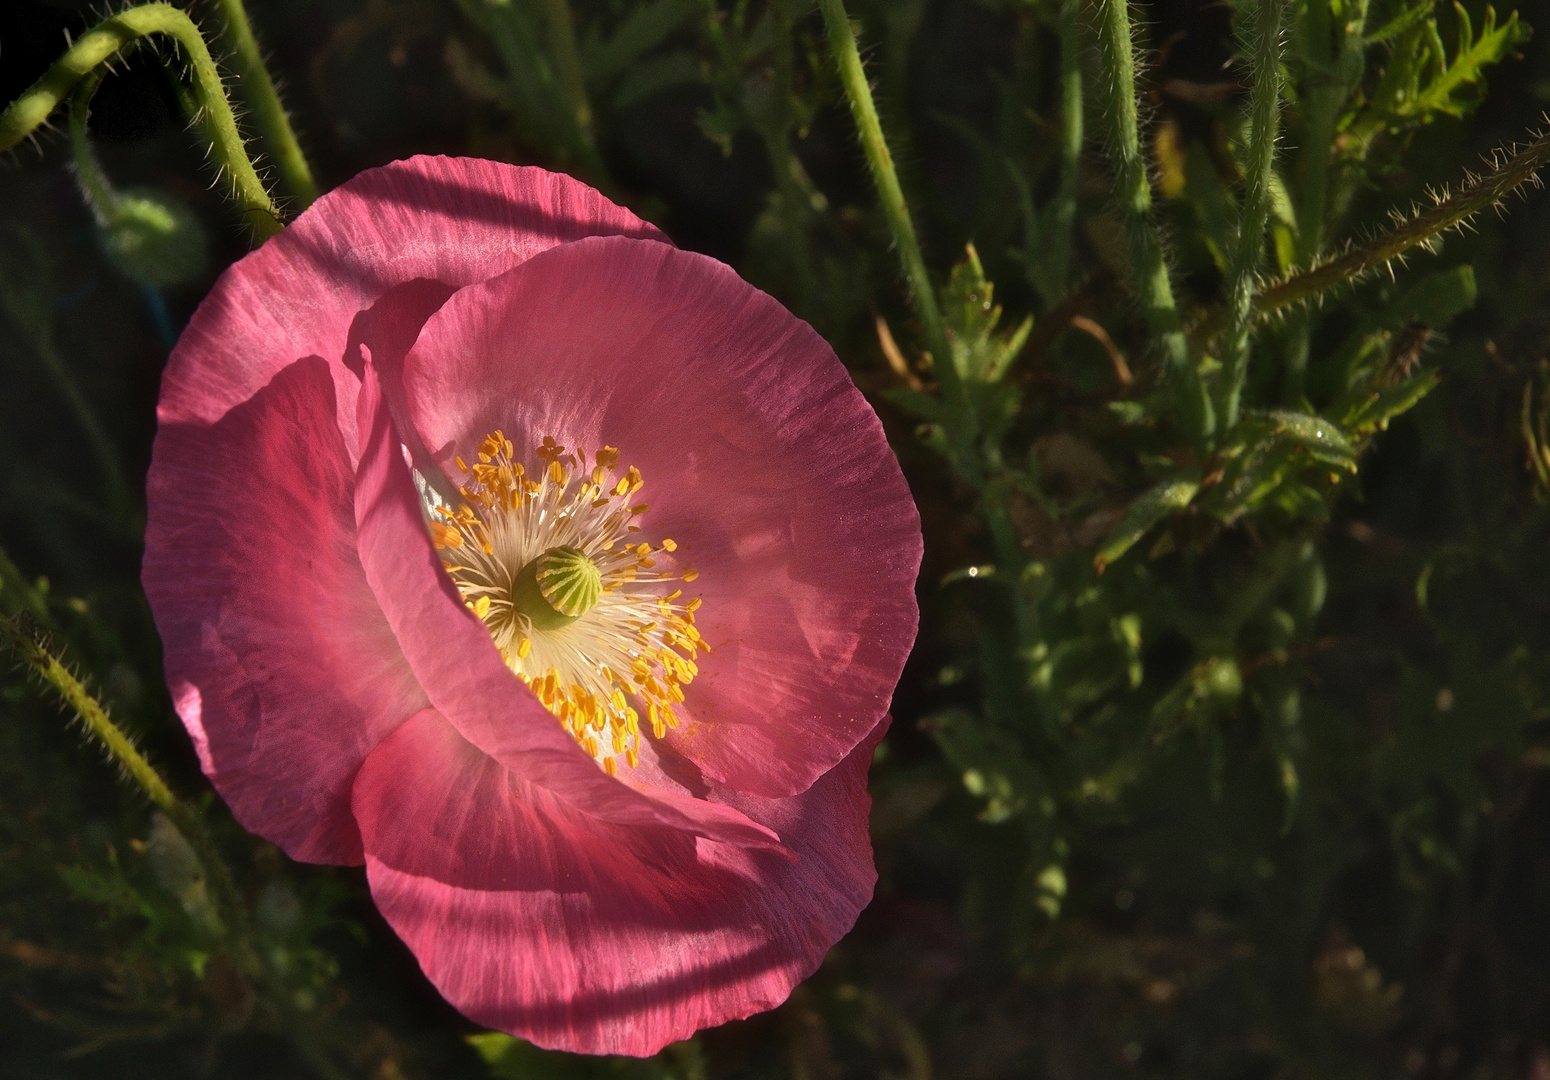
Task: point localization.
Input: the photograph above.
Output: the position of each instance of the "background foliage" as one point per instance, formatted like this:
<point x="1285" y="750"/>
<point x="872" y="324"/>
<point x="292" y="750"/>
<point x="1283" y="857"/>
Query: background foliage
<point x="1223" y="751"/>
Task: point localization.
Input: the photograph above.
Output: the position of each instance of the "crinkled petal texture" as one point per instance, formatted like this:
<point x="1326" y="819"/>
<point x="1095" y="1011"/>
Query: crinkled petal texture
<point x="280" y="663"/>
<point x="349" y="707"/>
<point x="580" y="935"/>
<point x="762" y="461"/>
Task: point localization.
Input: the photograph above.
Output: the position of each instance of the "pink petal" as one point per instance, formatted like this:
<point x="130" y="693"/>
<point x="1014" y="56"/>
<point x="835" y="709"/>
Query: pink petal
<point x="761" y="460"/>
<point x="449" y="220"/>
<point x="452" y="655"/>
<point x="278" y="660"/>
<point x="579" y="935"/>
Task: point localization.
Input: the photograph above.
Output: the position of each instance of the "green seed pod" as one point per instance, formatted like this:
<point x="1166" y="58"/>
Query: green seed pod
<point x="152" y="238"/>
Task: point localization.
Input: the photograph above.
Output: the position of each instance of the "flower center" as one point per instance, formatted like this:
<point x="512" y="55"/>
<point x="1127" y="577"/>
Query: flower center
<point x="551" y="562"/>
<point x="557" y="588"/>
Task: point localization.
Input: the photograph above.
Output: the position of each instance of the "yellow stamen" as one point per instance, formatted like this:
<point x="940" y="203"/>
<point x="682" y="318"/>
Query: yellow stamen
<point x="627" y="654"/>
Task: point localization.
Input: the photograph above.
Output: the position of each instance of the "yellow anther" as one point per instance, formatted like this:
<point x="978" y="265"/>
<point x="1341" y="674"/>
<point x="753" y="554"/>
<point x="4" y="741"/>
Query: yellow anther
<point x="693" y="605"/>
<point x="635" y="647"/>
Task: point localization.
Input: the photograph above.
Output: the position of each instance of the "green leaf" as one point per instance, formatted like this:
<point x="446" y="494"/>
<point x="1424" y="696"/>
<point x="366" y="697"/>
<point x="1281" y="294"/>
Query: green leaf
<point x="641" y="31"/>
<point x="1322" y="439"/>
<point x="1162" y="501"/>
<point x="1401" y="22"/>
<point x="1446" y="92"/>
<point x="971" y="316"/>
<point x="1381" y="407"/>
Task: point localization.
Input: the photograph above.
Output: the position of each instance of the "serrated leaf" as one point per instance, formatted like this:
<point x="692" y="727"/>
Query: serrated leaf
<point x="1444" y="92"/>
<point x="1161" y="502"/>
<point x="1401" y="22"/>
<point x="970" y="316"/>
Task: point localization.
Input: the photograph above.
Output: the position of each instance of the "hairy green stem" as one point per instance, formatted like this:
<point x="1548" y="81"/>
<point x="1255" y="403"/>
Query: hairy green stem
<point x="1134" y="193"/>
<point x="1510" y="171"/>
<point x="1243" y="266"/>
<point x="1063" y="213"/>
<point x="206" y="95"/>
<point x="99" y="193"/>
<point x="92" y="713"/>
<point x="962" y="426"/>
<point x="258" y="90"/>
<point x="37" y="656"/>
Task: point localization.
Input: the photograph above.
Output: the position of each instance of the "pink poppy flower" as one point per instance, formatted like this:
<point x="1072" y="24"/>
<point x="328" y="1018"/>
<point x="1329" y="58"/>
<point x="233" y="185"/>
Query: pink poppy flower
<point x="554" y="573"/>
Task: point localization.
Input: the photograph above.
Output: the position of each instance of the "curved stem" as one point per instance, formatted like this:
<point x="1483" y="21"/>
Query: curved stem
<point x="1134" y="192"/>
<point x="842" y="44"/>
<point x="259" y="91"/>
<point x="99" y="193"/>
<point x="207" y="97"/>
<point x="1264" y="120"/>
